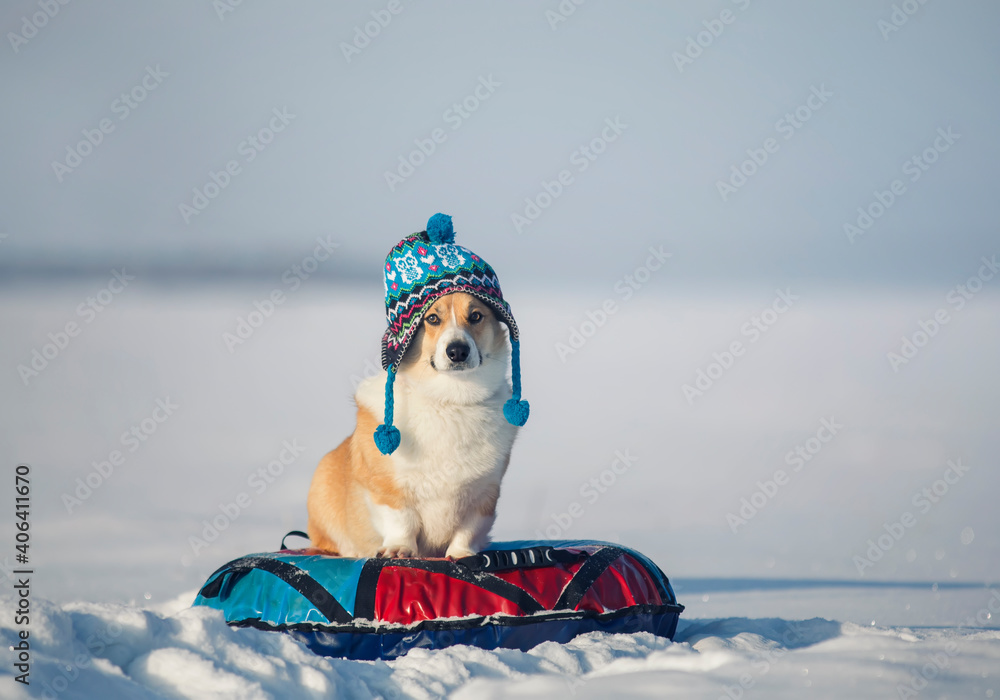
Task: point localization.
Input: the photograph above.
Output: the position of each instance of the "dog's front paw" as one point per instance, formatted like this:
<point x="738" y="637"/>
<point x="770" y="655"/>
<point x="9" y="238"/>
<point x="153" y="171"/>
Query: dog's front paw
<point x="454" y="553"/>
<point x="397" y="551"/>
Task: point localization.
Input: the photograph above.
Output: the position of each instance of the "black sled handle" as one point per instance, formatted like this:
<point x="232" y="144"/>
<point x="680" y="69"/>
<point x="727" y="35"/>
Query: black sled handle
<point x="296" y="533"/>
<point x="528" y="558"/>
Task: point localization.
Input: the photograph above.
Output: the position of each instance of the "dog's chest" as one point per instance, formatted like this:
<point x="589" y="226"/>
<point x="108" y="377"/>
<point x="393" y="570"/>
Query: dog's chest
<point x="450" y="452"/>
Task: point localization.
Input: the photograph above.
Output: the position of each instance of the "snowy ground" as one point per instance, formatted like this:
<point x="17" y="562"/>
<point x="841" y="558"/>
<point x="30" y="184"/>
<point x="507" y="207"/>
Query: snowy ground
<point x="104" y="650"/>
<point x="779" y="606"/>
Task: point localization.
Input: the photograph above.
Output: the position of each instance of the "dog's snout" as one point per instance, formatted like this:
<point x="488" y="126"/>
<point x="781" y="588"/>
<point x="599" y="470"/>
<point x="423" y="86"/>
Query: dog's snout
<point x="457" y="351"/>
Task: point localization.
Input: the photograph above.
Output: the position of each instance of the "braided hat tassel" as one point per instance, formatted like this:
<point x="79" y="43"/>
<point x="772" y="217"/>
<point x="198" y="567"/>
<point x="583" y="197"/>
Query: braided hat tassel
<point x="387" y="435"/>
<point x="515" y="410"/>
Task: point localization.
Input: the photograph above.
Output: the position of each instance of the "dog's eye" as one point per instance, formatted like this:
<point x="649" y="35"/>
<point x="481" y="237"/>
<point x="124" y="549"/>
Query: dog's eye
<point x="475" y="317"/>
<point x="433" y="319"/>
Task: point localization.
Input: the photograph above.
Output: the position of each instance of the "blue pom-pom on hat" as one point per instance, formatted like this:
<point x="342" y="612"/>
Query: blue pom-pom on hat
<point x="440" y="229"/>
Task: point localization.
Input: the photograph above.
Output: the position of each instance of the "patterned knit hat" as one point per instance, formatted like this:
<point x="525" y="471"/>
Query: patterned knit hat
<point x="419" y="270"/>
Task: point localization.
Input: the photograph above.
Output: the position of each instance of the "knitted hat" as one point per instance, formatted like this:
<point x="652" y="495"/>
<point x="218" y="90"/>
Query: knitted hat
<point x="419" y="270"/>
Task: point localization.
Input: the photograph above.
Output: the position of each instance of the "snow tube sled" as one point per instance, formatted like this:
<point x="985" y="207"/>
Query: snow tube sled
<point x="514" y="595"/>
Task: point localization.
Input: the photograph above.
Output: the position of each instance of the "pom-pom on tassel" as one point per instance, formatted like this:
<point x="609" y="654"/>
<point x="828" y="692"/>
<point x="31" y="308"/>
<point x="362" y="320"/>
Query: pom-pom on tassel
<point x="514" y="409"/>
<point x="387" y="435"/>
<point x="440" y="229"/>
<point x="516" y="412"/>
<point x="387" y="439"/>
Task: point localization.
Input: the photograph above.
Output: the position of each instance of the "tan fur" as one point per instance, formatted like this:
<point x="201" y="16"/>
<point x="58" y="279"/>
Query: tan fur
<point x="337" y="511"/>
<point x="355" y="474"/>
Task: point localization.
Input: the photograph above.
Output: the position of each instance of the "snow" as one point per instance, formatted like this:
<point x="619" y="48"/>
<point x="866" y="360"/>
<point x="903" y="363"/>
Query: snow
<point x="109" y="650"/>
<point x="779" y="604"/>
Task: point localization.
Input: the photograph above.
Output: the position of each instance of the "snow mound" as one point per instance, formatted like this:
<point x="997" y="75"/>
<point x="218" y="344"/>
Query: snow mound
<point x="88" y="650"/>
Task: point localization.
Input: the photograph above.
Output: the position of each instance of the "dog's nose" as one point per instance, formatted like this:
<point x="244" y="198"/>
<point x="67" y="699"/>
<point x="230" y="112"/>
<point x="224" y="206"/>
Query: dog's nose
<point x="457" y="351"/>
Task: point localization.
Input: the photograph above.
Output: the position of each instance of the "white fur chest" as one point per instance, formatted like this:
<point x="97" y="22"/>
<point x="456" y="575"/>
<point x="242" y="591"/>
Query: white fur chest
<point x="447" y="448"/>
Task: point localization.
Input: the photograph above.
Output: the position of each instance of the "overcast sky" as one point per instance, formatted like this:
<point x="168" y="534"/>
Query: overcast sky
<point x="664" y="119"/>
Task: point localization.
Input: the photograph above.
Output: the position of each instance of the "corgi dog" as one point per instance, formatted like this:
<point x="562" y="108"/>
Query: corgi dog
<point x="436" y="494"/>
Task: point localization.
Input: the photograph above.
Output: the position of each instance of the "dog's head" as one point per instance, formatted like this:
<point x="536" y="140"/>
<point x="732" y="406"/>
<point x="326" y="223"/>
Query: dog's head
<point x="460" y="338"/>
